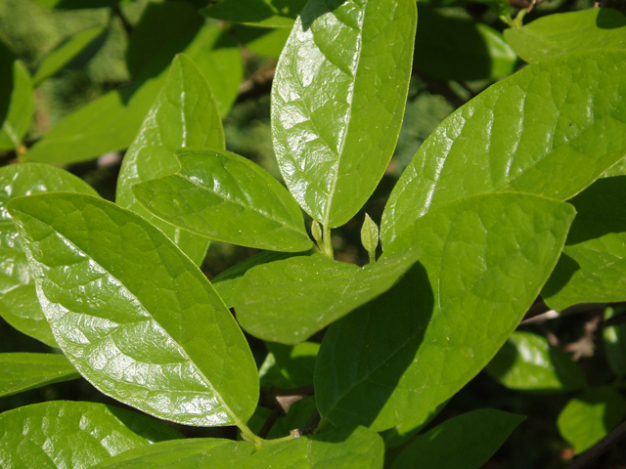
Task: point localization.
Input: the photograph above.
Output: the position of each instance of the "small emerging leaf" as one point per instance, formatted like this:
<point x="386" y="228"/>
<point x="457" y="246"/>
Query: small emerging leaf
<point x="370" y="237"/>
<point x="24" y="371"/>
<point x="227" y="197"/>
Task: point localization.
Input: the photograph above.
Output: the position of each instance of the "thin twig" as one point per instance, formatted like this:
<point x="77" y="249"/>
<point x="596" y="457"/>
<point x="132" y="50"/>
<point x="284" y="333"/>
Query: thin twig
<point x="309" y="427"/>
<point x="602" y="447"/>
<point x="269" y="423"/>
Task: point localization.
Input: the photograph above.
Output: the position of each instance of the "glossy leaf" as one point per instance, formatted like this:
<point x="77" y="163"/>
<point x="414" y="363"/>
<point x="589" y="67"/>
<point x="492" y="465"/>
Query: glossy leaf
<point x="266" y="13"/>
<point x="337" y="111"/>
<point x="333" y="449"/>
<point x="60" y="434"/>
<point x="589" y="417"/>
<point x="528" y="362"/>
<point x="184" y="114"/>
<point x="24" y="371"/>
<point x="288" y="301"/>
<point x="615" y="344"/>
<point x="183" y="454"/>
<point x="133" y="314"/>
<point x="19" y="305"/>
<point x="459" y="48"/>
<point x="21" y="109"/>
<point x="551" y="118"/>
<point x="227" y="197"/>
<point x="466" y="441"/>
<point x="591" y="268"/>
<point x="111" y="122"/>
<point x="596" y="29"/>
<point x="226" y="282"/>
<point x="484" y="261"/>
<point x="65" y="52"/>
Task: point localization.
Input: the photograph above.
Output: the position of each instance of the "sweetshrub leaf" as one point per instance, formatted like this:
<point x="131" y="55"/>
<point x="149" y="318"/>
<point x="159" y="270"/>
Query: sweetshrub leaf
<point x="484" y="261"/>
<point x="266" y="13"/>
<point x="337" y="111"/>
<point x="24" y="371"/>
<point x="133" y="314"/>
<point x="21" y="109"/>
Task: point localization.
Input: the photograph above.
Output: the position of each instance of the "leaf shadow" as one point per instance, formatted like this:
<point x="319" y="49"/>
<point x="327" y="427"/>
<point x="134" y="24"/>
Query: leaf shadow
<point x="562" y="274"/>
<point x="316" y="9"/>
<point x="609" y="18"/>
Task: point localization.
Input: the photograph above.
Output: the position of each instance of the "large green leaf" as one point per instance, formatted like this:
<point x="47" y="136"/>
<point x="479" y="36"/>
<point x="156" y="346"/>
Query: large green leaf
<point x="466" y="441"/>
<point x="21" y="109"/>
<point x="112" y="121"/>
<point x="484" y="261"/>
<point x="19" y="305"/>
<point x="528" y="362"/>
<point x="615" y="344"/>
<point x="266" y="13"/>
<point x="227" y="197"/>
<point x="551" y="129"/>
<point x="288" y="301"/>
<point x="65" y="52"/>
<point x="360" y="448"/>
<point x="133" y="314"/>
<point x="589" y="417"/>
<point x="226" y="282"/>
<point x="183" y="454"/>
<point x="63" y="435"/>
<point x="337" y="111"/>
<point x="460" y="48"/>
<point x="596" y="29"/>
<point x="184" y="114"/>
<point x="24" y="371"/>
<point x="591" y="268"/>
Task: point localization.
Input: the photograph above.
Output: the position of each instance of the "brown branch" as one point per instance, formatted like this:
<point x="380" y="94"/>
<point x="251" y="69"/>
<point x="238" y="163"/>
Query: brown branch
<point x="309" y="427"/>
<point x="258" y="85"/>
<point x="269" y="423"/>
<point x="598" y="450"/>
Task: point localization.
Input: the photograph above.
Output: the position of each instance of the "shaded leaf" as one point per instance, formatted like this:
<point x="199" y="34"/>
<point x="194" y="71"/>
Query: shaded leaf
<point x="60" y="434"/>
<point x="596" y="29"/>
<point x="227" y="197"/>
<point x="615" y="344"/>
<point x="24" y="371"/>
<point x="262" y="41"/>
<point x="133" y="314"/>
<point x="401" y="434"/>
<point x="266" y="13"/>
<point x="474" y="438"/>
<point x="77" y="4"/>
<point x="289" y="366"/>
<point x="484" y="261"/>
<point x="589" y="417"/>
<point x="65" y="52"/>
<point x="333" y="449"/>
<point x="528" y="362"/>
<point x="460" y="48"/>
<point x="288" y="301"/>
<point x="183" y="114"/>
<point x="21" y="109"/>
<point x="337" y="111"/>
<point x="551" y="118"/>
<point x="591" y="268"/>
<point x="183" y="454"/>
<point x="19" y="305"/>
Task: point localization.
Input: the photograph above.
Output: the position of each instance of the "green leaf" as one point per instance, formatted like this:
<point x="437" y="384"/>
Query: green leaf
<point x="466" y="441"/>
<point x="460" y="48"/>
<point x="21" y="109"/>
<point x="262" y="41"/>
<point x="24" y="371"/>
<point x="133" y="314"/>
<point x="370" y="237"/>
<point x="333" y="449"/>
<point x="7" y="58"/>
<point x="589" y="417"/>
<point x="401" y="434"/>
<point x="298" y="416"/>
<point x="528" y="362"/>
<point x="615" y="344"/>
<point x="227" y="197"/>
<point x="484" y="261"/>
<point x="288" y="301"/>
<point x="596" y="29"/>
<point x="77" y="4"/>
<point x="60" y="434"/>
<point x="183" y="454"/>
<point x="265" y="13"/>
<point x="226" y="282"/>
<point x="337" y="111"/>
<point x="65" y="52"/>
<point x="184" y="114"/>
<point x="111" y="122"/>
<point x="19" y="305"/>
<point x="591" y="268"/>
<point x="551" y="118"/>
<point x="289" y="367"/>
